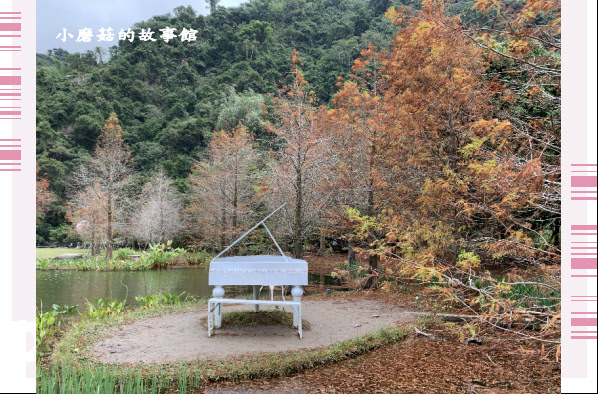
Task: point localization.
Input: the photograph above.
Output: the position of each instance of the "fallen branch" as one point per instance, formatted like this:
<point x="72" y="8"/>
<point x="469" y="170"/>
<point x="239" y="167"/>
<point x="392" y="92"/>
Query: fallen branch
<point x="429" y="336"/>
<point x="448" y="317"/>
<point x="474" y="340"/>
<point x="491" y="360"/>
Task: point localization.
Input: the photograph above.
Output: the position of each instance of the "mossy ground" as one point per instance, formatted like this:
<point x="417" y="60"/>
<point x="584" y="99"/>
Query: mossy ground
<point x="250" y="318"/>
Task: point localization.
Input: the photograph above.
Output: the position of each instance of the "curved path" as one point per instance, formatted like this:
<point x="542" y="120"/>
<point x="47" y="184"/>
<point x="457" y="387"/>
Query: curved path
<point x="182" y="337"/>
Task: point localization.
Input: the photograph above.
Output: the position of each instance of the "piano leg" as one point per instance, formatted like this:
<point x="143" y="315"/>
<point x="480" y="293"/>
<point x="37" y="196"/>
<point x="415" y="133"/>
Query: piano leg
<point x="218" y="292"/>
<point x="297" y="292"/>
<point x="300" y="323"/>
<point x="210" y="319"/>
<point x="256" y="296"/>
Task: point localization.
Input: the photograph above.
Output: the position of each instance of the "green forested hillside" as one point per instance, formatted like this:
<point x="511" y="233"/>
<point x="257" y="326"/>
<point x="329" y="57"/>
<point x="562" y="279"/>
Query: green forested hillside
<point x="169" y="97"/>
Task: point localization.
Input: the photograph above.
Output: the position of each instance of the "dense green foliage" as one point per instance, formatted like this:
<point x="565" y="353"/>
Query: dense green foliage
<point x="169" y="97"/>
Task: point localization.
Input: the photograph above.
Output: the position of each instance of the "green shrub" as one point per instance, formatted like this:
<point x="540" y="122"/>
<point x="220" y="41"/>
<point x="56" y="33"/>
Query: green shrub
<point x="63" y="234"/>
<point x="64" y="310"/>
<point x="103" y="307"/>
<point x="149" y="301"/>
<point x="160" y="255"/>
<point x="45" y="325"/>
<point x="172" y="299"/>
<point x="164" y="298"/>
<point x="43" y="263"/>
<point x="124" y="253"/>
<point x="199" y="258"/>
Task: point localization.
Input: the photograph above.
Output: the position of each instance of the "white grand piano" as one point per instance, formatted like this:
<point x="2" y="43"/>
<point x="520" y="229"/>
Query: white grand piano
<point x="256" y="271"/>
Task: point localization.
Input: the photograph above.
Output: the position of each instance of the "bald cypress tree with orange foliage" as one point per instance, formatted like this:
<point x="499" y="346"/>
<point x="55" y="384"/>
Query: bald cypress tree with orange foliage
<point x="456" y="181"/>
<point x="87" y="211"/>
<point x="360" y="142"/>
<point x="107" y="178"/>
<point x="435" y="96"/>
<point x="523" y="48"/>
<point x="301" y="170"/>
<point x="459" y="191"/>
<point x="466" y="175"/>
<point x="222" y="189"/>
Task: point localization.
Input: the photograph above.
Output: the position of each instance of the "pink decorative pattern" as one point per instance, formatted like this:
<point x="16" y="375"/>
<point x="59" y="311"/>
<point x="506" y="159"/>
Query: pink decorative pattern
<point x="10" y="80"/>
<point x="589" y="322"/>
<point x="10" y="157"/>
<point x="584" y="181"/>
<point x="583" y="248"/>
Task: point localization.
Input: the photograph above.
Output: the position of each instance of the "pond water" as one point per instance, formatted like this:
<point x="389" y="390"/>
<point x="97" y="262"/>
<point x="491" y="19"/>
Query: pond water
<point x="71" y="287"/>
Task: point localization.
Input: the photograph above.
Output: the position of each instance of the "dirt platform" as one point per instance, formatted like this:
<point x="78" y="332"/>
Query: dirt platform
<point x="182" y="337"/>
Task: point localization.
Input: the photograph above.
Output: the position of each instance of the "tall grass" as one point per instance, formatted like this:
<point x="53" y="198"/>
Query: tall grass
<point x="64" y="379"/>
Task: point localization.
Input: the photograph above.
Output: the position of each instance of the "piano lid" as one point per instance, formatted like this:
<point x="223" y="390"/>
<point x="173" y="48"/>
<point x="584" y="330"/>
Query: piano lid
<point x="256" y="259"/>
<point x="257" y="270"/>
<point x="262" y="223"/>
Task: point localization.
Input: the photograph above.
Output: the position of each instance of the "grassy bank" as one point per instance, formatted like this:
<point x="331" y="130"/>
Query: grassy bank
<point x="50" y="253"/>
<point x="153" y="259"/>
<point x="72" y="368"/>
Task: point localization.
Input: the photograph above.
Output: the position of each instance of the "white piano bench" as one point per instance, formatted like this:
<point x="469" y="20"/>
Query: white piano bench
<point x="215" y="310"/>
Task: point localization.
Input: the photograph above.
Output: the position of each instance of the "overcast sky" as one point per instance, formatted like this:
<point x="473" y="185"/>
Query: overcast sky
<point x="55" y="15"/>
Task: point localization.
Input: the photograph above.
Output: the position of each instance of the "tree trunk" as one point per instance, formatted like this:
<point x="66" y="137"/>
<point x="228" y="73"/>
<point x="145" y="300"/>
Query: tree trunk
<point x="350" y="253"/>
<point x="235" y="204"/>
<point x="222" y="229"/>
<point x="298" y="233"/>
<point x="161" y="221"/>
<point x="92" y="245"/>
<point x="322" y="242"/>
<point x="370" y="206"/>
<point x="554" y="239"/>
<point x="373" y="261"/>
<point x="109" y="234"/>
